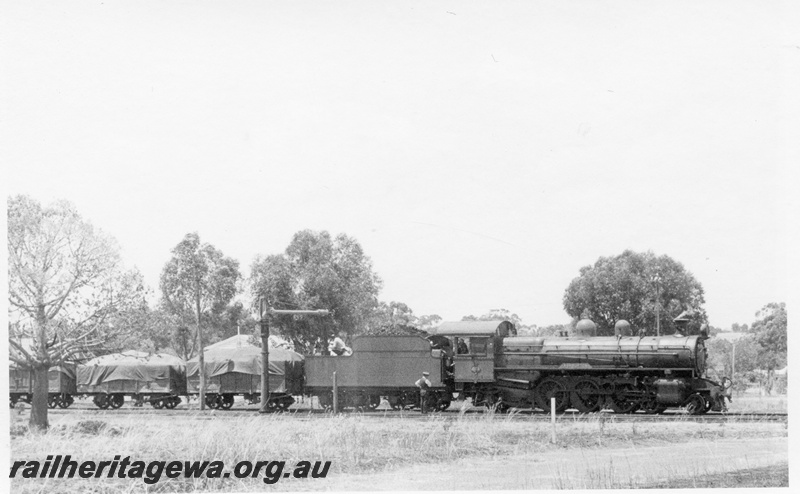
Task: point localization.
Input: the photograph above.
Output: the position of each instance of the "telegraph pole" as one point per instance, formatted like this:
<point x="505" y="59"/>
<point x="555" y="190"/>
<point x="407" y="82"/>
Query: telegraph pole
<point x="657" y="282"/>
<point x="265" y="313"/>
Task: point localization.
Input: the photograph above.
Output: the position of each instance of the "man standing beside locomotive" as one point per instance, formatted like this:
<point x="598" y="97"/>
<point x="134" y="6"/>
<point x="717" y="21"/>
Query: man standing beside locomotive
<point x="424" y="385"/>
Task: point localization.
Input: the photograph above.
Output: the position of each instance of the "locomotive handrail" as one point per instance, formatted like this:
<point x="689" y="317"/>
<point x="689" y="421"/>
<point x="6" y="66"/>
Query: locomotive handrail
<point x="593" y="352"/>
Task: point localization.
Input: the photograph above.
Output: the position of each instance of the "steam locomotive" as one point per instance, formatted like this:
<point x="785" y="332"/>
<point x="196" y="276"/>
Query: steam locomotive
<point x="623" y="372"/>
<point x="487" y="362"/>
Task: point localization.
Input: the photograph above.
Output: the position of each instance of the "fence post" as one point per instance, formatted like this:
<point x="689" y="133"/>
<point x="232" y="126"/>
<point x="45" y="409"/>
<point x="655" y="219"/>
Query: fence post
<point x="553" y="417"/>
<point x="335" y="394"/>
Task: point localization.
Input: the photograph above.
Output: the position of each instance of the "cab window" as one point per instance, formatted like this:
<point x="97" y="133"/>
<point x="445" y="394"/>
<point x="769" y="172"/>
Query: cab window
<point x="462" y="346"/>
<point x="477" y="346"/>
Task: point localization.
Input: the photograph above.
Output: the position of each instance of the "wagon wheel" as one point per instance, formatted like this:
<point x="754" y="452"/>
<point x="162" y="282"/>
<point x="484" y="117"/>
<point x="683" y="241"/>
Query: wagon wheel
<point x="396" y="402"/>
<point x="158" y="404"/>
<point x="443" y="402"/>
<point x="225" y="402"/>
<point x="283" y="405"/>
<point x="116" y="401"/>
<point x="101" y="401"/>
<point x="620" y="402"/>
<point x="696" y="404"/>
<point x="412" y="400"/>
<point x="586" y="396"/>
<point x="172" y="402"/>
<point x="552" y="388"/>
<point x="211" y="401"/>
<point x="65" y="401"/>
<point x="52" y="401"/>
<point x="13" y="402"/>
<point x="326" y="401"/>
<point x="373" y="402"/>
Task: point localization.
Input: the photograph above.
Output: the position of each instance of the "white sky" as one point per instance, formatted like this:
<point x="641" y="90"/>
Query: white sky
<point x="481" y="152"/>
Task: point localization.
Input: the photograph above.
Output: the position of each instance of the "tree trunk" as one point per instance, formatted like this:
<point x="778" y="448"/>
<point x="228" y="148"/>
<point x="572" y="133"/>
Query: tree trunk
<point x="201" y="356"/>
<point x="38" y="418"/>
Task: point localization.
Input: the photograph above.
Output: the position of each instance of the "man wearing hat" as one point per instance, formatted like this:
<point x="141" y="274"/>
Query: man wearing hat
<point x="337" y="346"/>
<point x="424" y="385"/>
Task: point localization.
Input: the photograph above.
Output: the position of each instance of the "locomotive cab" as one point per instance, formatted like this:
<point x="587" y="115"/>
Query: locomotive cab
<point x="475" y="345"/>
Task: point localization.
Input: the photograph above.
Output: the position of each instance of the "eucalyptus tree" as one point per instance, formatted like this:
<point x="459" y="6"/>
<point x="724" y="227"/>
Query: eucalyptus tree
<point x="642" y="288"/>
<point x="318" y="271"/>
<point x="199" y="281"/>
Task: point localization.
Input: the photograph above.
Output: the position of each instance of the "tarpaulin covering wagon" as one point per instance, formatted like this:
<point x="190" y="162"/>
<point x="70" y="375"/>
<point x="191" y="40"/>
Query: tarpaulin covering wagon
<point x="155" y="378"/>
<point x="233" y="367"/>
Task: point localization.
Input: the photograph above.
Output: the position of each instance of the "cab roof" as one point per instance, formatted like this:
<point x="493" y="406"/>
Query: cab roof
<point x="497" y="327"/>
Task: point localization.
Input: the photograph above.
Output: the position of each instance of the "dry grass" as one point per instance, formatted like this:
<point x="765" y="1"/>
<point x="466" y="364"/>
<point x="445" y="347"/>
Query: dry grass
<point x="713" y="475"/>
<point x="773" y="476"/>
<point x="752" y="402"/>
<point x="355" y="444"/>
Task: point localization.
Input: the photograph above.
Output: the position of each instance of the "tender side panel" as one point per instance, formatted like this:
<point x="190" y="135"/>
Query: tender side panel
<point x="377" y="361"/>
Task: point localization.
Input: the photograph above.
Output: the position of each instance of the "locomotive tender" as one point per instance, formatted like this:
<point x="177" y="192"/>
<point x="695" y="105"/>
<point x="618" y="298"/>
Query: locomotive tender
<point x="380" y="366"/>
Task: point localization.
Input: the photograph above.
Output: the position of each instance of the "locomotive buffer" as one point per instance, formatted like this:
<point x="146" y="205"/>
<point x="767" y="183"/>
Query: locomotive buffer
<point x="265" y="312"/>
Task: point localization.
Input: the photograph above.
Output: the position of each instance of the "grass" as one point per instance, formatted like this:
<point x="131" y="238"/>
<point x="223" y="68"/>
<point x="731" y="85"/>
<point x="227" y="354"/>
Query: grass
<point x="752" y="402"/>
<point x="772" y="476"/>
<point x="355" y="444"/>
<point x="712" y="475"/>
<point x="618" y="477"/>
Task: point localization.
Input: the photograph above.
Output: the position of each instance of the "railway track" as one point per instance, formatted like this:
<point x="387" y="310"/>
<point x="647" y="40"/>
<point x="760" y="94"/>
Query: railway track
<point x="475" y="413"/>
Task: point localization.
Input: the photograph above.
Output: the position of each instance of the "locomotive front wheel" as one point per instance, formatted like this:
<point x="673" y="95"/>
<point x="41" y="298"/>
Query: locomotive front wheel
<point x="651" y="406"/>
<point x="696" y="404"/>
<point x="586" y="396"/>
<point x="551" y="388"/>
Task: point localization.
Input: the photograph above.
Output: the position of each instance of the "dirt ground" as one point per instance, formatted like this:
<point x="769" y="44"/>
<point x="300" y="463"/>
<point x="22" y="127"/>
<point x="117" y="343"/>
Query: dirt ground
<point x="570" y="469"/>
